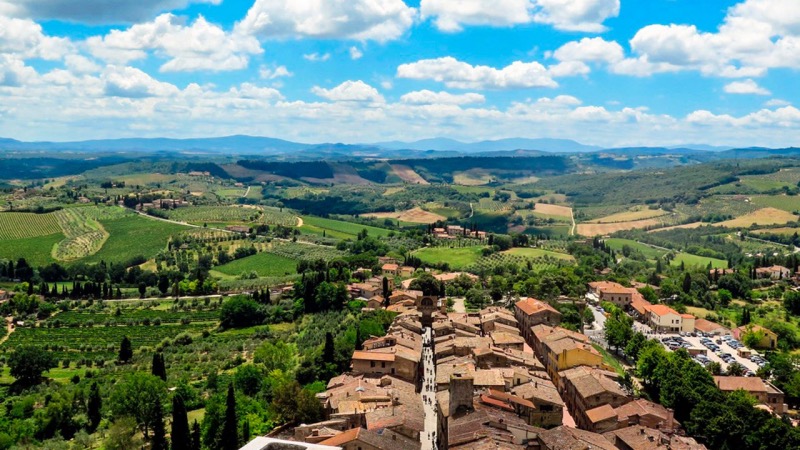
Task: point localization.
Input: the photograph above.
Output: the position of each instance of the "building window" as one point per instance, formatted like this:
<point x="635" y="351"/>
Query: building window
<point x="372" y="363"/>
<point x="383" y="365"/>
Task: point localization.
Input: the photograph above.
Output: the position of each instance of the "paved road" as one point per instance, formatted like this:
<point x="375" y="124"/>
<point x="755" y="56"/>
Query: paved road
<point x="458" y="305"/>
<point x="428" y="394"/>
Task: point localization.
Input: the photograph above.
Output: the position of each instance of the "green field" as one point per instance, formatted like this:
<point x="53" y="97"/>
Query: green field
<point x="538" y="253"/>
<point x="790" y="203"/>
<point x="646" y="250"/>
<point x="264" y="264"/>
<point x="35" y="250"/>
<point x="458" y="258"/>
<point x="702" y="261"/>
<point x="205" y="214"/>
<point x="97" y="341"/>
<point x="134" y="236"/>
<point x="15" y="225"/>
<point x="338" y="228"/>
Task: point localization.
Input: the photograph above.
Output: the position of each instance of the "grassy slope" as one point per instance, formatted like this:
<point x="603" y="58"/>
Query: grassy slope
<point x="702" y="261"/>
<point x="456" y="257"/>
<point x="537" y="253"/>
<point x="35" y="250"/>
<point x="133" y="236"/>
<point x="338" y="228"/>
<point x="646" y="250"/>
<point x="265" y="264"/>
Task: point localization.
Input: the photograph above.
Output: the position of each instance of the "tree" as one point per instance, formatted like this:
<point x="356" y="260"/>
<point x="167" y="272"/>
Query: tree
<point x="125" y="350"/>
<point x="241" y="312"/>
<point x="136" y="396"/>
<point x="687" y="283"/>
<point x="791" y="301"/>
<point x="179" y="433"/>
<point x="724" y="297"/>
<point x="122" y="435"/>
<point x="618" y="329"/>
<point x="195" y="436"/>
<point x="714" y="368"/>
<point x="635" y="345"/>
<point x="94" y="406"/>
<point x="752" y="338"/>
<point x="329" y="351"/>
<point x="735" y="370"/>
<point x="427" y="284"/>
<point x="159" y="369"/>
<point x="248" y="379"/>
<point x="277" y="355"/>
<point x="159" y="441"/>
<point x="230" y="428"/>
<point x="28" y="363"/>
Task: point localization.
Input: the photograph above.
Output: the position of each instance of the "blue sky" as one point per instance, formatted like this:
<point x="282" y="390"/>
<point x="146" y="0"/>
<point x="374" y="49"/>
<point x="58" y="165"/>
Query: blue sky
<point x="606" y="72"/>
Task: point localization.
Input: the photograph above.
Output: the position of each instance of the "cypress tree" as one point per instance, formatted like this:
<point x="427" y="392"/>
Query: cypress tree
<point x="159" y="441"/>
<point x="246" y="431"/>
<point x="230" y="428"/>
<point x="159" y="369"/>
<point x="125" y="350"/>
<point x="195" y="436"/>
<point x="358" y="337"/>
<point x="329" y="351"/>
<point x="181" y="438"/>
<point x="94" y="406"/>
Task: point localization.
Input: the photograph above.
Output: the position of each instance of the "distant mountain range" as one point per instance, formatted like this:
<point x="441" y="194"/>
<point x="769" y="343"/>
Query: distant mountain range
<point x="426" y="148"/>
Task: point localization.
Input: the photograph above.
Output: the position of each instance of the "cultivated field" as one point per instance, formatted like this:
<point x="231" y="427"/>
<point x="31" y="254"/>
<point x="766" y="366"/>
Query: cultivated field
<point x="602" y="229"/>
<point x="408" y="174"/>
<point x="415" y="215"/>
<point x="790" y="203"/>
<point x="15" y="225"/>
<point x="538" y="253"/>
<point x="646" y="250"/>
<point x="676" y="227"/>
<point x="338" y="228"/>
<point x="133" y="236"/>
<point x="553" y="210"/>
<point x="205" y="214"/>
<point x="264" y="264"/>
<point x="630" y="216"/>
<point x="783" y="230"/>
<point x="84" y="235"/>
<point x="457" y="257"/>
<point x="764" y="216"/>
<point x="698" y="261"/>
<point x="475" y="177"/>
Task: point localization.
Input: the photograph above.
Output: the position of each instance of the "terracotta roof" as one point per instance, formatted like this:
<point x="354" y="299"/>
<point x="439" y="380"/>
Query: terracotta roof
<point x="641" y="407"/>
<point x="391" y="267"/>
<point x="373" y="356"/>
<point x="503" y="338"/>
<point x="601" y="413"/>
<point x="383" y="439"/>
<point x="532" y="306"/>
<point x="566" y="438"/>
<point x="707" y="326"/>
<point x="662" y="310"/>
<point x="539" y="390"/>
<point x="748" y="384"/>
<point x="687" y="316"/>
<point x="640" y="304"/>
<point x="642" y="438"/>
<point x="754" y="327"/>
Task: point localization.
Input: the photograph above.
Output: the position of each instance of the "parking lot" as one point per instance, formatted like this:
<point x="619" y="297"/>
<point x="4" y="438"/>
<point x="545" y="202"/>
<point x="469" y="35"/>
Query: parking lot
<point x="695" y="343"/>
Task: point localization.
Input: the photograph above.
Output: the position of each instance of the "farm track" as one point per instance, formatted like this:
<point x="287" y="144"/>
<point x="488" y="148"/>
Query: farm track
<point x="9" y="329"/>
<point x="574" y="225"/>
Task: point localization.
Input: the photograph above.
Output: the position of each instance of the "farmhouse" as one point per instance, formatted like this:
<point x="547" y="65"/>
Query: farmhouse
<point x="609" y="291"/>
<point x="773" y="272"/>
<point x="769" y="339"/>
<point x="709" y="327"/>
<point x="764" y="391"/>
<point x="390" y="268"/>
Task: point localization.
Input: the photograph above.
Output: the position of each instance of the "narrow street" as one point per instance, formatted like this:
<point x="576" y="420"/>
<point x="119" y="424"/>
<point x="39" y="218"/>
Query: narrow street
<point x="427" y="438"/>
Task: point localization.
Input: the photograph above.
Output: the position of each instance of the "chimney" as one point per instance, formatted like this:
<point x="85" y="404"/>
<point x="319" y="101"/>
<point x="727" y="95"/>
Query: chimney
<point x="461" y="392"/>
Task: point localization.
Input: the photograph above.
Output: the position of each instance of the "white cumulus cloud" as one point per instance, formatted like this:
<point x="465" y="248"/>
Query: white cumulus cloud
<point x="350" y="91"/>
<point x="426" y="97"/>
<point x="460" y="75"/>
<point x="362" y="20"/>
<point x="199" y="46"/>
<point x="572" y="15"/>
<point x="747" y="86"/>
